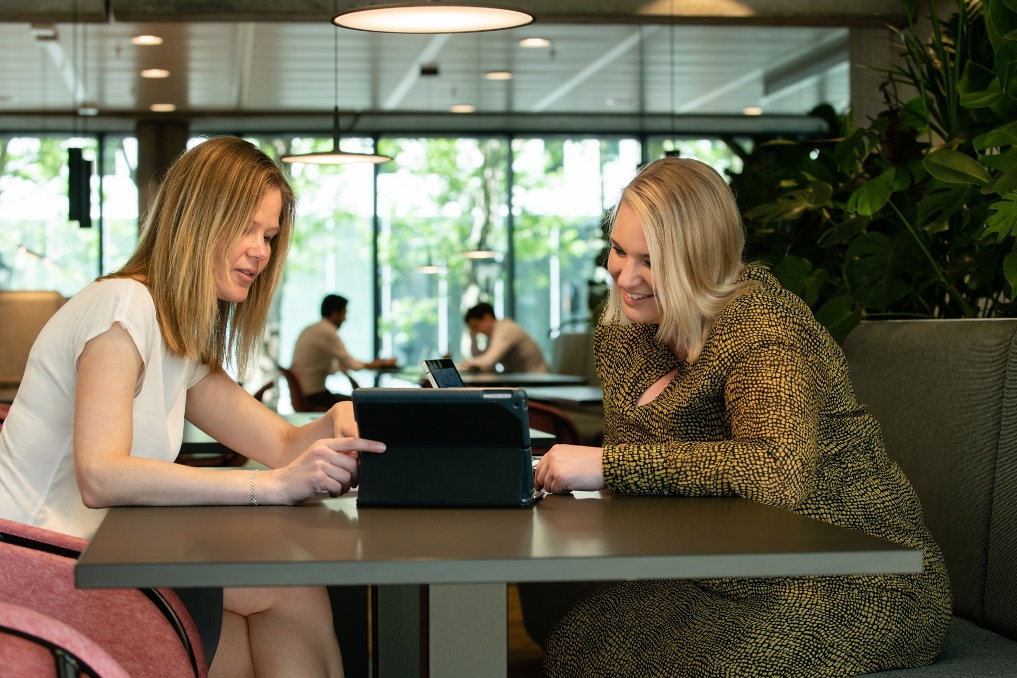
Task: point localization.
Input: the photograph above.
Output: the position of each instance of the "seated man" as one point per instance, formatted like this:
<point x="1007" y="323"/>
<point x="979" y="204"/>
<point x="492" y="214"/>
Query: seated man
<point x="320" y="352"/>
<point x="507" y="343"/>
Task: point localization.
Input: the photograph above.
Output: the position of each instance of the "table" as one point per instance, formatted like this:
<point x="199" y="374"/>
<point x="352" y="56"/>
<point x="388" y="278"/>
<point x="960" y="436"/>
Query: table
<point x="568" y="396"/>
<point x="522" y="379"/>
<point x="466" y="556"/>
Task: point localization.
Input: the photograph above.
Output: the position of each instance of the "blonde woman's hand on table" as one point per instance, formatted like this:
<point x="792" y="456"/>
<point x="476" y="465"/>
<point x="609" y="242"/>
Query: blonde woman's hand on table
<point x="565" y="468"/>
<point x="330" y="465"/>
<point x="344" y="423"/>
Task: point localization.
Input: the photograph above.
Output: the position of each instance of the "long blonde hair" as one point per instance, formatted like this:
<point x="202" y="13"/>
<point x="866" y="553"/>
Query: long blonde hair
<point x="209" y="197"/>
<point x="695" y="240"/>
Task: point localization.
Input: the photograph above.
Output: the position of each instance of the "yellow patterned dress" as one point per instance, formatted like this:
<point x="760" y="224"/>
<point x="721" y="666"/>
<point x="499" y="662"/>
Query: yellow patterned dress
<point x="766" y="412"/>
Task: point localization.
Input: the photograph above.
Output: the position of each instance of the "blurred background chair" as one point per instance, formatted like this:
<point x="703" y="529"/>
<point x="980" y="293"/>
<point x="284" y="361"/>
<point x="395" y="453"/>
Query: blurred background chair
<point x="297" y="398"/>
<point x="33" y="645"/>
<point x="552" y="420"/>
<point x="147" y="631"/>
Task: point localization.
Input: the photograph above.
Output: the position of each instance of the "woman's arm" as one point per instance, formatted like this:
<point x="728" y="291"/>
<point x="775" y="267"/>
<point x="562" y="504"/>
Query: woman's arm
<point x="772" y="402"/>
<point x="107" y="474"/>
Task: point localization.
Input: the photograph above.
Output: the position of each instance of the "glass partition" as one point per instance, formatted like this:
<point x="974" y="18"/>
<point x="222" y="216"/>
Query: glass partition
<point x="564" y="190"/>
<point x="442" y="241"/>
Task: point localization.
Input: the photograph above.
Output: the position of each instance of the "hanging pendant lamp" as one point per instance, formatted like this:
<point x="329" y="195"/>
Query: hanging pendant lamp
<point x="432" y="16"/>
<point x="336" y="156"/>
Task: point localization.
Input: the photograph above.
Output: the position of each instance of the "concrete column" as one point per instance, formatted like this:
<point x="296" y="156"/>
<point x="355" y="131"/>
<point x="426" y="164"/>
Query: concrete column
<point x="159" y="143"/>
<point x="872" y="51"/>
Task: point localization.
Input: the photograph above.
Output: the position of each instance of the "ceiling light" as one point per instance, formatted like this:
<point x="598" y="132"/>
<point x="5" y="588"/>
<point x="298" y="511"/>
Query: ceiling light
<point x="88" y="110"/>
<point x="155" y="73"/>
<point x="429" y="269"/>
<point x="431" y="16"/>
<point x="463" y="108"/>
<point x="752" y="110"/>
<point x="534" y="42"/>
<point x="336" y="156"/>
<point x="162" y="108"/>
<point x="480" y="254"/>
<point x="146" y="40"/>
<point x="498" y="75"/>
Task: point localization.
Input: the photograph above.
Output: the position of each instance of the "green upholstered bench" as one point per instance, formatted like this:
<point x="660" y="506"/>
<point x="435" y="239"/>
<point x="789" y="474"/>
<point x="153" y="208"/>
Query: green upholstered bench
<point x="945" y="395"/>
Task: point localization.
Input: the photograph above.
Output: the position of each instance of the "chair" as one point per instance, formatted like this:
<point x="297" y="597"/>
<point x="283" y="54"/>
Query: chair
<point x="297" y="398"/>
<point x="33" y="645"/>
<point x="147" y="631"/>
<point x="552" y="420"/>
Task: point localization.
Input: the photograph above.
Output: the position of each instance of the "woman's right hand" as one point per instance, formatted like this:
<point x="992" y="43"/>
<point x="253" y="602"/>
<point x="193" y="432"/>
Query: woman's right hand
<point x="330" y="465"/>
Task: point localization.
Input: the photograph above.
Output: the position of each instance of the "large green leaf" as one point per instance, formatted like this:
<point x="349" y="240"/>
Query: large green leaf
<point x="940" y="201"/>
<point x="975" y="79"/>
<point x="985" y="98"/>
<point x="793" y="203"/>
<point x="1006" y="183"/>
<point x="999" y="20"/>
<point x="796" y="275"/>
<point x="956" y="168"/>
<point x="1004" y="161"/>
<point x="844" y="231"/>
<point x="1005" y="135"/>
<point x="839" y="316"/>
<point x="1003" y="220"/>
<point x="1006" y="63"/>
<point x="915" y="115"/>
<point x="870" y="272"/>
<point x="1010" y="271"/>
<point x="871" y="196"/>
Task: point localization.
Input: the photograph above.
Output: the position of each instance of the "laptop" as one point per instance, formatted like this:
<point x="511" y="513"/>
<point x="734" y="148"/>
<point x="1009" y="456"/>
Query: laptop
<point x="445" y="447"/>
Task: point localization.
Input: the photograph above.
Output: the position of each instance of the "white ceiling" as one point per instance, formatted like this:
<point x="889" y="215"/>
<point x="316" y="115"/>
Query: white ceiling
<point x="247" y="69"/>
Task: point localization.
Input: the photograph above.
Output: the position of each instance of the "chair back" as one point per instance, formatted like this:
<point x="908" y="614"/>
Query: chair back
<point x="297" y="398"/>
<point x="148" y="632"/>
<point x="572" y="353"/>
<point x="945" y="395"/>
<point x="33" y="645"/>
<point x="552" y="420"/>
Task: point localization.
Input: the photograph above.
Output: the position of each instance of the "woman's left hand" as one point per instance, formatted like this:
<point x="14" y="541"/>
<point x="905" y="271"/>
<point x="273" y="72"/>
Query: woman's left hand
<point x="344" y="423"/>
<point x="570" y="467"/>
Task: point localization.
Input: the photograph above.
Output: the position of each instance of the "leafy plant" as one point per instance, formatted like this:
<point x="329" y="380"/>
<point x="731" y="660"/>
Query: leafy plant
<point x="915" y="214"/>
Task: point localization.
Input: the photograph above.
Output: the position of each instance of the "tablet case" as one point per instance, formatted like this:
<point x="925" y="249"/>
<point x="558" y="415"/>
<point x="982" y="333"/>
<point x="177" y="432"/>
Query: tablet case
<point x="445" y="447"/>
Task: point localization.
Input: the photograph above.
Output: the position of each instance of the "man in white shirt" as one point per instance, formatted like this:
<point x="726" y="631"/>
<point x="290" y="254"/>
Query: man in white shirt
<point x="507" y="343"/>
<point x="320" y="352"/>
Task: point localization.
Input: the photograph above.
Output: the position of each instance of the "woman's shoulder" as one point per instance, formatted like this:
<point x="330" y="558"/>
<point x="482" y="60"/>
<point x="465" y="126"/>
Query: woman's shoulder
<point x="765" y="312"/>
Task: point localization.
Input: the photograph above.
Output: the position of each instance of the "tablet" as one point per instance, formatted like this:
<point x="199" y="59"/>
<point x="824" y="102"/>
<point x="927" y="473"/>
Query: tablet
<point x="442" y="373"/>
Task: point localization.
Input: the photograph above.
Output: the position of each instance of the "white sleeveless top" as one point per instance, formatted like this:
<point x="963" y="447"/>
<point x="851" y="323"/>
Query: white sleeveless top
<point x="37" y="483"/>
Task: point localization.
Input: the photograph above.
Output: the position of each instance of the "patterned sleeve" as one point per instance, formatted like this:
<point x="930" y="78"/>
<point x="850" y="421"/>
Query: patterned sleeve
<point x="771" y="400"/>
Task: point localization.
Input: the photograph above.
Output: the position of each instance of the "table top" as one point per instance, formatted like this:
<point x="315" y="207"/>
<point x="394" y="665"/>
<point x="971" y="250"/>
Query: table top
<point x="566" y="395"/>
<point x="589" y="536"/>
<point x="520" y="379"/>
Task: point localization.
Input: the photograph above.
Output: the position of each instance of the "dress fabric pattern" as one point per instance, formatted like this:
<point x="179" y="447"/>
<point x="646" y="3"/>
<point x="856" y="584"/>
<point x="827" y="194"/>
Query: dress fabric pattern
<point x="767" y="412"/>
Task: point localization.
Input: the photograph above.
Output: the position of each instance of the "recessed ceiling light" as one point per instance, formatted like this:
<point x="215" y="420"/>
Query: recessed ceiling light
<point x="88" y="110"/>
<point x="146" y="40"/>
<point x="461" y="16"/>
<point x="498" y="75"/>
<point x="463" y="108"/>
<point x="534" y="42"/>
<point x="155" y="73"/>
<point x="752" y="110"/>
<point x="162" y="108"/>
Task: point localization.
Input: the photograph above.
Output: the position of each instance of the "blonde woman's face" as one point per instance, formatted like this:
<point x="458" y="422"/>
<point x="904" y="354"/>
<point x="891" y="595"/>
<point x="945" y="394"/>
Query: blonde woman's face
<point x="250" y="255"/>
<point x="629" y="265"/>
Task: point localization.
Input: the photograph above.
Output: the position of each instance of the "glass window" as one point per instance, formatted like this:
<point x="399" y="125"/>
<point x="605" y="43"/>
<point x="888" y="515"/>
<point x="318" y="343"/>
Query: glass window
<point x="120" y="201"/>
<point x="713" y="152"/>
<point x="564" y="190"/>
<point x="39" y="248"/>
<point x="330" y="252"/>
<point x="442" y="241"/>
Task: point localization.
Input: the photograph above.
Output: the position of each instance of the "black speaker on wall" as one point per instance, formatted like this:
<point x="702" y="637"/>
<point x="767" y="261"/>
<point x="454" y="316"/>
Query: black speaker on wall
<point x="79" y="188"/>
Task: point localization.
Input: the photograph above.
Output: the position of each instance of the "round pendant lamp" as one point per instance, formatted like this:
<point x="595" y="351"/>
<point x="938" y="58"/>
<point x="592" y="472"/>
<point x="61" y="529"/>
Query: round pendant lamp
<point x="432" y="16"/>
<point x="336" y="156"/>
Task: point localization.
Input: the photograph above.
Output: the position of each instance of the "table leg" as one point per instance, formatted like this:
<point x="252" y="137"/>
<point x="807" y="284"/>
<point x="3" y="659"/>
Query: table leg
<point x="468" y="631"/>
<point x="399" y="631"/>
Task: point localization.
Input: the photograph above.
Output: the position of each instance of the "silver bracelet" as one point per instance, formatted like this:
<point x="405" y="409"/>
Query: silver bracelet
<point x="254" y="488"/>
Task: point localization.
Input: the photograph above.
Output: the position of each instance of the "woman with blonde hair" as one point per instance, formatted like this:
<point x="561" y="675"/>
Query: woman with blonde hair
<point x="98" y="419"/>
<point x="719" y="382"/>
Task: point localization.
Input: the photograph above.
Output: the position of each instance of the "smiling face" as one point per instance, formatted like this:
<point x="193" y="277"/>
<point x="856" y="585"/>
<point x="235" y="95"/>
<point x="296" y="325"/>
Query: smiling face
<point x="251" y="253"/>
<point x="629" y="266"/>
